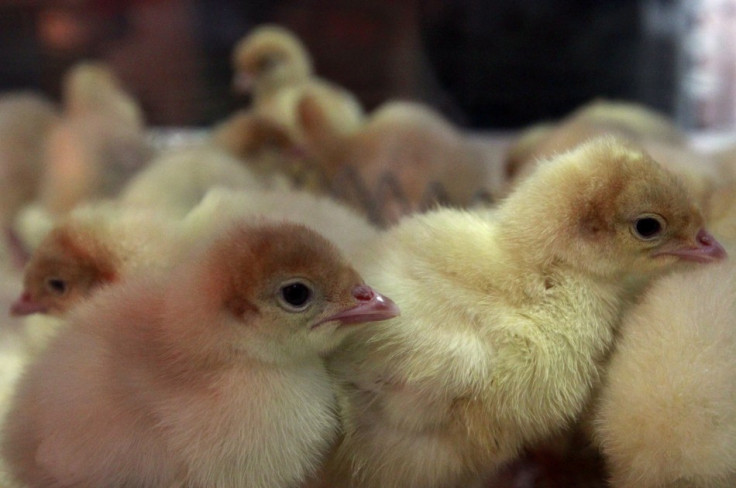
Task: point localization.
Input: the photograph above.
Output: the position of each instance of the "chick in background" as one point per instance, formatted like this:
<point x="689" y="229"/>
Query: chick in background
<point x="406" y="155"/>
<point x="273" y="64"/>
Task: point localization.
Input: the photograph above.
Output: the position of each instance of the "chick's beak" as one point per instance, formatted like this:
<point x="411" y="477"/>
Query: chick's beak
<point x="371" y="307"/>
<point x="706" y="249"/>
<point x="25" y="305"/>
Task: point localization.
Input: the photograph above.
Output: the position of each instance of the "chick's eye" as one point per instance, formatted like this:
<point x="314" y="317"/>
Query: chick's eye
<point x="56" y="286"/>
<point x="648" y="227"/>
<point x="295" y="296"/>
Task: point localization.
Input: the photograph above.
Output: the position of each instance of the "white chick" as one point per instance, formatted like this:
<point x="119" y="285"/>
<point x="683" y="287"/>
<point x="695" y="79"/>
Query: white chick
<point x="347" y="229"/>
<point x="666" y="416"/>
<point x="507" y="316"/>
<point x="404" y="143"/>
<point x="210" y="376"/>
<point x="177" y="180"/>
<point x="25" y="120"/>
<point x="274" y="64"/>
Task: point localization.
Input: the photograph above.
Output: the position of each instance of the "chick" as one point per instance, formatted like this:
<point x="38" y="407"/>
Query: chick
<point x="507" y="316"/>
<point x="92" y="246"/>
<point x="347" y="229"/>
<point x="25" y="121"/>
<point x="177" y="180"/>
<point x="97" y="145"/>
<point x="666" y="416"/>
<point x="210" y="376"/>
<point x="268" y="149"/>
<point x="274" y="64"/>
<point x="404" y="144"/>
<point x="631" y="121"/>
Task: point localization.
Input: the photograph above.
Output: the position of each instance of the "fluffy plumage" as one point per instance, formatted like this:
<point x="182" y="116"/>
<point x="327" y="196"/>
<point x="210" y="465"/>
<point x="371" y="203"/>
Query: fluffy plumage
<point x="274" y="64"/>
<point x="666" y="416"/>
<point x="177" y="180"/>
<point x="211" y="376"/>
<point x="97" y="145"/>
<point x="93" y="246"/>
<point x="507" y="316"/>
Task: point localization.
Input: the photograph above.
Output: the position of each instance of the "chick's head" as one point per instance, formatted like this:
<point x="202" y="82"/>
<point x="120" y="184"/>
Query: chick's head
<point x="269" y="57"/>
<point x="282" y="291"/>
<point x="609" y="208"/>
<point x="62" y="271"/>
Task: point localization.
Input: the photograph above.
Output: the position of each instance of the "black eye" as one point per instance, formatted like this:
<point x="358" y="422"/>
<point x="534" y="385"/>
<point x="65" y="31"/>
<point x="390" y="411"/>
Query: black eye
<point x="648" y="227"/>
<point x="295" y="296"/>
<point x="56" y="286"/>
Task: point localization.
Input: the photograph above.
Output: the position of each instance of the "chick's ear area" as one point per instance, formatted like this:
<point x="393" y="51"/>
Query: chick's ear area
<point x="239" y="306"/>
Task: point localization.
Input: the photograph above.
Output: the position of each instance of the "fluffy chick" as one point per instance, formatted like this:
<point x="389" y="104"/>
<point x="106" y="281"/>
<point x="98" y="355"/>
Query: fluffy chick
<point x="97" y="145"/>
<point x="177" y="180"/>
<point x="92" y="246"/>
<point x="631" y="121"/>
<point x="25" y="121"/>
<point x="274" y="64"/>
<point x="404" y="143"/>
<point x="211" y="376"/>
<point x="268" y="149"/>
<point x="506" y="316"/>
<point x="666" y="416"/>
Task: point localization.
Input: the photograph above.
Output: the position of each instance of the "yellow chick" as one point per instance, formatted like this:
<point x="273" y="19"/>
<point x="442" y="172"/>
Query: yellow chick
<point x="208" y="376"/>
<point x="507" y="316"/>
<point x="273" y="64"/>
<point x="666" y="416"/>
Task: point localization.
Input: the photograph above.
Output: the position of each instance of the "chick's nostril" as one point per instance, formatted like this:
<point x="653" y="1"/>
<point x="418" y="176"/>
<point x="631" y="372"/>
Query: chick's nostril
<point x="364" y="293"/>
<point x="704" y="238"/>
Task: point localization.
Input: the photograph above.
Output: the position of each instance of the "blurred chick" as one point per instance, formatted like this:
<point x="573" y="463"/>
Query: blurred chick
<point x="347" y="229"/>
<point x="666" y="416"/>
<point x="630" y="121"/>
<point x="92" y="246"/>
<point x="25" y="120"/>
<point x="177" y="180"/>
<point x="405" y="144"/>
<point x="210" y="376"/>
<point x="507" y="316"/>
<point x="273" y="64"/>
<point x="97" y="145"/>
<point x="268" y="150"/>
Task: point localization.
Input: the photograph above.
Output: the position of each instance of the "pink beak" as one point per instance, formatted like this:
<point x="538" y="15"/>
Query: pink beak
<point x="707" y="249"/>
<point x="26" y="306"/>
<point x="371" y="307"/>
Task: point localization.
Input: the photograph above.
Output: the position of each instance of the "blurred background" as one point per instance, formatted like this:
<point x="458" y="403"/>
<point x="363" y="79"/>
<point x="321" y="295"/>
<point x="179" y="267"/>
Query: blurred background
<point x="486" y="64"/>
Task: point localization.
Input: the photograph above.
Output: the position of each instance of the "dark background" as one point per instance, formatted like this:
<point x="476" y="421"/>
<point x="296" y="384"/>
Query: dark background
<point x="485" y="64"/>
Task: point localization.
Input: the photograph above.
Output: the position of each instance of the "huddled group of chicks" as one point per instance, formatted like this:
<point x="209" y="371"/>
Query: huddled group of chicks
<point x="312" y="296"/>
